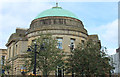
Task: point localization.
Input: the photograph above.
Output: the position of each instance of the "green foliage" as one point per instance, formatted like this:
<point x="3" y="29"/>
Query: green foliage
<point x="7" y="67"/>
<point x="48" y="57"/>
<point x="89" y="59"/>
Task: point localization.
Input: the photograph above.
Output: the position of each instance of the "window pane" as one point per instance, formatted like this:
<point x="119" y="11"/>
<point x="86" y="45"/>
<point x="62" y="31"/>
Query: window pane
<point x="3" y="60"/>
<point x="59" y="43"/>
<point x="72" y="43"/>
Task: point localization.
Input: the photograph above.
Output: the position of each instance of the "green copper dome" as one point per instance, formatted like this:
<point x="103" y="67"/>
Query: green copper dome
<point x="56" y="11"/>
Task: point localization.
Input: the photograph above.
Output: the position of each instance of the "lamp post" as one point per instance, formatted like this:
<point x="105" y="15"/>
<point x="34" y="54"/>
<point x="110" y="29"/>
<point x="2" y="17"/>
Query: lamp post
<point x="35" y="54"/>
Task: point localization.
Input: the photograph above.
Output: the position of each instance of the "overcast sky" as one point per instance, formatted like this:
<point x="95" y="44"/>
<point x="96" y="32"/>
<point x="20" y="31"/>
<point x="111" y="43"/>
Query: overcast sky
<point x="98" y="17"/>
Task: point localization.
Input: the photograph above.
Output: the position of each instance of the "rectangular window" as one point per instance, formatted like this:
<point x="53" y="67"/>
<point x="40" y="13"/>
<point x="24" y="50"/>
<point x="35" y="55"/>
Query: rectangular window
<point x="13" y="51"/>
<point x="3" y="60"/>
<point x="16" y="50"/>
<point x="72" y="44"/>
<point x="59" y="43"/>
<point x="9" y="52"/>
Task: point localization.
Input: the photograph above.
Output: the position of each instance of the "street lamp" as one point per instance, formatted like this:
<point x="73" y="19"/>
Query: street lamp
<point x="34" y="50"/>
<point x="35" y="53"/>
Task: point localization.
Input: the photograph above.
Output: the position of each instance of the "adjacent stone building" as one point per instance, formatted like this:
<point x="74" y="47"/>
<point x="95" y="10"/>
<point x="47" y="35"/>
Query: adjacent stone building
<point x="60" y="23"/>
<point x="116" y="61"/>
<point x="3" y="55"/>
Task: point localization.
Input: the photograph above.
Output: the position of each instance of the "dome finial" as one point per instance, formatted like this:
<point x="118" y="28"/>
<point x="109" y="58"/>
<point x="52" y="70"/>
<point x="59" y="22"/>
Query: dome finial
<point x="56" y="4"/>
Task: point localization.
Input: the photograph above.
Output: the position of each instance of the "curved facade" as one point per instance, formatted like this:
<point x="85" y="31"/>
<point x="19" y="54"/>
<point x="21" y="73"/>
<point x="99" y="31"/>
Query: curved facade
<point x="61" y="24"/>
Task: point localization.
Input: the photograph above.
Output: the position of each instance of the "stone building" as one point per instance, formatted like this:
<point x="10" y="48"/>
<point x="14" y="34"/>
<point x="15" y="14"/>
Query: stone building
<point x="116" y="60"/>
<point x="60" y="23"/>
<point x="3" y="54"/>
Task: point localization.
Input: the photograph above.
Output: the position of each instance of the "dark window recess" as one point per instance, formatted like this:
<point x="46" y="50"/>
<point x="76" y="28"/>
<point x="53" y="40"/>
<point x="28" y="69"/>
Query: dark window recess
<point x="33" y="41"/>
<point x="72" y="44"/>
<point x="64" y="21"/>
<point x="60" y="21"/>
<point x="49" y="22"/>
<point x="46" y="21"/>
<point x="43" y="21"/>
<point x="55" y="22"/>
<point x="20" y="34"/>
<point x="10" y="52"/>
<point x="82" y="41"/>
<point x="59" y="72"/>
<point x="34" y="25"/>
<point x="3" y="60"/>
<point x="16" y="48"/>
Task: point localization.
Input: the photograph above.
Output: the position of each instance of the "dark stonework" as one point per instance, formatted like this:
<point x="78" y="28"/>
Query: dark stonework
<point x="57" y="23"/>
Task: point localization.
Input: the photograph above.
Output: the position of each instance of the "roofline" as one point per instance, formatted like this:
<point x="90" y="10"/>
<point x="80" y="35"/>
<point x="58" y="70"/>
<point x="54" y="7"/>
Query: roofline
<point x="55" y="16"/>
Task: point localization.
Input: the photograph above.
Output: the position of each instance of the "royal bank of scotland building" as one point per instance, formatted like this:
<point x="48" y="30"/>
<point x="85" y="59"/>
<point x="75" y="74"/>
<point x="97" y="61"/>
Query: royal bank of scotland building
<point x="60" y="23"/>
